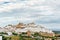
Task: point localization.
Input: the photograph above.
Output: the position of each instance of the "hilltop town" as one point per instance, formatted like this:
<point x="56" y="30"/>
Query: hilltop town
<point x="20" y="27"/>
<point x="31" y="29"/>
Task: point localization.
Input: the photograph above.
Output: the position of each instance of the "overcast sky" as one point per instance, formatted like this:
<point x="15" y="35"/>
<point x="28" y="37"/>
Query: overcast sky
<point x="45" y="12"/>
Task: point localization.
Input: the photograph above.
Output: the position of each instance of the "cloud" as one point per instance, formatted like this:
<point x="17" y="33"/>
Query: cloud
<point x="27" y="4"/>
<point x="40" y="11"/>
<point x="9" y="20"/>
<point x="10" y="6"/>
<point x="53" y="26"/>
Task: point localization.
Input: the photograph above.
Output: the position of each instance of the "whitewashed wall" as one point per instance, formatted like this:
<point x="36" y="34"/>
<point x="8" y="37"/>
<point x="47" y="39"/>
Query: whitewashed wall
<point x="0" y="37"/>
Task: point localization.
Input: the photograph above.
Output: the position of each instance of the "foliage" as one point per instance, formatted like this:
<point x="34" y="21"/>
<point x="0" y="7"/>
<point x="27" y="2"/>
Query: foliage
<point x="3" y="33"/>
<point x="14" y="33"/>
<point x="36" y="34"/>
<point x="24" y="33"/>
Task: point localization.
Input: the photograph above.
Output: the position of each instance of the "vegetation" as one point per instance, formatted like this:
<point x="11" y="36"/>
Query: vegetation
<point x="14" y="33"/>
<point x="36" y="36"/>
<point x="3" y="33"/>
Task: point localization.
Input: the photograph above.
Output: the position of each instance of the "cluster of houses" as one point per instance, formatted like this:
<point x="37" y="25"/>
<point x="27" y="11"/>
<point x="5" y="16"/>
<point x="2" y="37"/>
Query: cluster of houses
<point x="24" y="28"/>
<point x="30" y="28"/>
